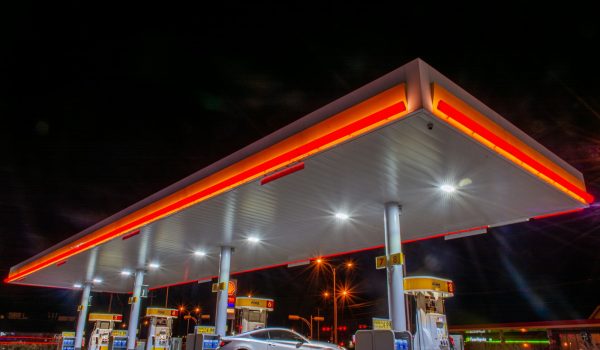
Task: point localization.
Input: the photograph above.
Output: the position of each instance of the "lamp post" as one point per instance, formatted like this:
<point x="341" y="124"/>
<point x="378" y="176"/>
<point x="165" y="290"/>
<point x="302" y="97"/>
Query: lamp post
<point x="309" y="324"/>
<point x="321" y="262"/>
<point x="189" y="316"/>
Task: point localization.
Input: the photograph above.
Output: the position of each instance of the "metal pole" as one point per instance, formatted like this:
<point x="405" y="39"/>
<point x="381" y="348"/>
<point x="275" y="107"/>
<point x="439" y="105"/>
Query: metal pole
<point x="395" y="275"/>
<point x="85" y="298"/>
<point x="167" y="298"/>
<point x="318" y="326"/>
<point x="135" y="309"/>
<point x="151" y="331"/>
<point x="311" y="328"/>
<point x="110" y="302"/>
<point x="225" y="264"/>
<point x="335" y="310"/>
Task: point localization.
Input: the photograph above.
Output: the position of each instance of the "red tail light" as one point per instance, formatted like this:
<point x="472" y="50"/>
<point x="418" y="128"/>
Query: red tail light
<point x="224" y="342"/>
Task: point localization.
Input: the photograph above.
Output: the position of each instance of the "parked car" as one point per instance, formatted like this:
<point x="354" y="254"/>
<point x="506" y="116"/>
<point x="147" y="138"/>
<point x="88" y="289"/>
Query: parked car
<point x="273" y="339"/>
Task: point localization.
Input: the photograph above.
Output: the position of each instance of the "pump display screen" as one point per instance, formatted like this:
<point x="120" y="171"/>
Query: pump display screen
<point x="254" y="316"/>
<point x="104" y="325"/>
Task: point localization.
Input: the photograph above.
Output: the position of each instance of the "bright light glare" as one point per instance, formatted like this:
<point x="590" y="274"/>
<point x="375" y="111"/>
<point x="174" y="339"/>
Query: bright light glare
<point x="153" y="265"/>
<point x="448" y="188"/>
<point x="342" y="216"/>
<point x="319" y="260"/>
<point x="97" y="280"/>
<point x="199" y="253"/>
<point x="126" y="273"/>
<point x="253" y="239"/>
<point x="77" y="285"/>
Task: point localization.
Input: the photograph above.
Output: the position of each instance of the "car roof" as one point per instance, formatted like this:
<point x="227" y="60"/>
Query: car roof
<point x="268" y="329"/>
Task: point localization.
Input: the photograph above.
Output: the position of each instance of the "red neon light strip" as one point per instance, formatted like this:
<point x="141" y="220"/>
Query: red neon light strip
<point x="60" y="263"/>
<point x="298" y="152"/>
<point x="282" y="173"/>
<point x="517" y="153"/>
<point x="557" y="214"/>
<point x="446" y="234"/>
<point x="129" y="235"/>
<point x="26" y="343"/>
<point x="4" y="337"/>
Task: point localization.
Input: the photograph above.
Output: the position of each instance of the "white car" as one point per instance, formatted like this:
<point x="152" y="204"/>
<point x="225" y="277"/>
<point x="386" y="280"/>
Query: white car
<point x="273" y="339"/>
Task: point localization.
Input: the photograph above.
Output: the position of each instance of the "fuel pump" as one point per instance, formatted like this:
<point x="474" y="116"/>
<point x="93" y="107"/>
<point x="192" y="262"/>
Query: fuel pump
<point x="430" y="316"/>
<point x="103" y="326"/>
<point x="118" y="340"/>
<point x="67" y="341"/>
<point x="160" y="324"/>
<point x="251" y="313"/>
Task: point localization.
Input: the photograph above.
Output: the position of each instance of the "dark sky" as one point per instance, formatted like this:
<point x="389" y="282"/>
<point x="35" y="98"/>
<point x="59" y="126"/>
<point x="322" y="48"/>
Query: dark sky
<point x="103" y="105"/>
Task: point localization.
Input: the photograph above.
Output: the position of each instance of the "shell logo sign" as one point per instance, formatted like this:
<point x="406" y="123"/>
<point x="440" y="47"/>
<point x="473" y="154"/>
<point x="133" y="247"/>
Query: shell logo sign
<point x="232" y="287"/>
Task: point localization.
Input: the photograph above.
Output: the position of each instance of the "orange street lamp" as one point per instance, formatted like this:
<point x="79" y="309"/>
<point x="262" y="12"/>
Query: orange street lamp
<point x="349" y="265"/>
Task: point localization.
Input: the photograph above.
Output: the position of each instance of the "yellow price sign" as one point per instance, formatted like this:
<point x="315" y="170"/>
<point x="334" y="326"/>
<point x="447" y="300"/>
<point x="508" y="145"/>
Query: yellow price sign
<point x="397" y="259"/>
<point x="381" y="262"/>
<point x="382" y="323"/>
<point x="205" y="330"/>
<point x="216" y="287"/>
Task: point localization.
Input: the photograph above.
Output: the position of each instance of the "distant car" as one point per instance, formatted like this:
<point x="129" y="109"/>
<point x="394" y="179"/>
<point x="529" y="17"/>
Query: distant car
<point x="273" y="339"/>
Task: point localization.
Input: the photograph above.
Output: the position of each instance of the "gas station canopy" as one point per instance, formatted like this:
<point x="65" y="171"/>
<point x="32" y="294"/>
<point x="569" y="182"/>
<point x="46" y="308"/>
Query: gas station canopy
<point x="318" y="187"/>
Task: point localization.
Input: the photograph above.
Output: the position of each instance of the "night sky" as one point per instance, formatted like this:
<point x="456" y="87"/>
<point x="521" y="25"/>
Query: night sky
<point x="103" y="105"/>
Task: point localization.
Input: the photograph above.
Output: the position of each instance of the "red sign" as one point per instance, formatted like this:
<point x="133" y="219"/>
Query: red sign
<point x="270" y="304"/>
<point x="117" y="317"/>
<point x="451" y="287"/>
<point x="174" y="313"/>
<point x="230" y="301"/>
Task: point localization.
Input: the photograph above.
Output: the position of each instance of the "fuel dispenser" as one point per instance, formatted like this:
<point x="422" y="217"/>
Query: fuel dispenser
<point x="103" y="326"/>
<point x="67" y="341"/>
<point x="430" y="317"/>
<point x="251" y="313"/>
<point x="118" y="340"/>
<point x="203" y="338"/>
<point x="160" y="325"/>
<point x="383" y="339"/>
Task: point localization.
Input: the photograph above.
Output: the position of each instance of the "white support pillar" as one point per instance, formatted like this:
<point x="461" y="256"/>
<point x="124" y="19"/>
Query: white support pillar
<point x="135" y="309"/>
<point x="395" y="273"/>
<point x="82" y="319"/>
<point x="151" y="331"/>
<point x="224" y="266"/>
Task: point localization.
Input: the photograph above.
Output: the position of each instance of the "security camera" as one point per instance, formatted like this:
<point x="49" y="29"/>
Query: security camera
<point x="429" y="125"/>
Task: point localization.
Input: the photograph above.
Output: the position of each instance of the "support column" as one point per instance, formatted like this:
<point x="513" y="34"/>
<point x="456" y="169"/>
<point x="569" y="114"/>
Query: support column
<point x="134" y="315"/>
<point x="85" y="298"/>
<point x="224" y="266"/>
<point x="151" y="331"/>
<point x="395" y="274"/>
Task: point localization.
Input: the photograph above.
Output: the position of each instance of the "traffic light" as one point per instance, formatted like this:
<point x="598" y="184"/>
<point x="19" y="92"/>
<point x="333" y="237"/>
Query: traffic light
<point x="342" y="328"/>
<point x="362" y="326"/>
<point x="325" y="329"/>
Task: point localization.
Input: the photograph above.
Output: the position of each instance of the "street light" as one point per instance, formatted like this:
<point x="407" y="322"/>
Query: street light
<point x="309" y="324"/>
<point x="189" y="316"/>
<point x="348" y="265"/>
